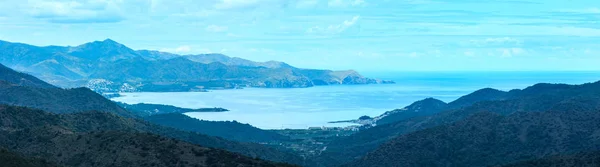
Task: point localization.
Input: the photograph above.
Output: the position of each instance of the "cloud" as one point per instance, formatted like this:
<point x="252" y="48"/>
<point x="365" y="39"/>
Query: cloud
<point x="235" y="4"/>
<point x="306" y="3"/>
<point x="345" y="3"/>
<point x="179" y="50"/>
<point x="593" y="10"/>
<point x="413" y="54"/>
<point x="332" y="29"/>
<point x="496" y="41"/>
<point x="91" y="11"/>
<point x="510" y="52"/>
<point x="469" y="53"/>
<point x="216" y="28"/>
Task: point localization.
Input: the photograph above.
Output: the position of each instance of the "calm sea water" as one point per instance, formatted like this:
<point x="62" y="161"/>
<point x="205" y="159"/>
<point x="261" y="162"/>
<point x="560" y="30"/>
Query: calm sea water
<point x="315" y="106"/>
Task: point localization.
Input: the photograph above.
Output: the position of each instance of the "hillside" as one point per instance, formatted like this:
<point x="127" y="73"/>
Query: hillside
<point x="124" y="69"/>
<point x="582" y="159"/>
<point x="22" y="79"/>
<point x="489" y="139"/>
<point x="125" y="149"/>
<point x="12" y="159"/>
<point x="424" y="107"/>
<point x="229" y="130"/>
<point x="537" y="98"/>
<point x="144" y="109"/>
<point x="26" y="124"/>
<point x="32" y="92"/>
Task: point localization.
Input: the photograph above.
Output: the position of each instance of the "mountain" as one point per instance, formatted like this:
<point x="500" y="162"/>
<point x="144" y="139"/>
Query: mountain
<point x="12" y="159"/>
<point x="102" y="51"/>
<point x="234" y="61"/>
<point x="424" y="107"/>
<point x="582" y="159"/>
<point x="431" y="106"/>
<point x="35" y="132"/>
<point x="144" y="110"/>
<point x="22" y="79"/>
<point x="490" y="139"/>
<point x="485" y="94"/>
<point x="25" y="90"/>
<point x="71" y="142"/>
<point x="177" y="72"/>
<point x="125" y="69"/>
<point x="536" y="98"/>
<point x="229" y="130"/>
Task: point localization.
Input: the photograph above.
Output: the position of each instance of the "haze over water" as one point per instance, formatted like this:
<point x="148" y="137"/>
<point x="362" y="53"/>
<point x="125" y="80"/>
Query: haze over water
<point x="314" y="107"/>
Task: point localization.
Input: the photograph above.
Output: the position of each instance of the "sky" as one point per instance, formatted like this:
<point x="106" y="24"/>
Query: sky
<point x="364" y="35"/>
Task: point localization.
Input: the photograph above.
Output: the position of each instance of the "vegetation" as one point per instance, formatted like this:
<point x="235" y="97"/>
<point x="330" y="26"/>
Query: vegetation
<point x="57" y="100"/>
<point x="537" y="98"/>
<point x="582" y="159"/>
<point x="229" y="130"/>
<point x="311" y="143"/>
<point x="94" y="138"/>
<point x="424" y="107"/>
<point x="489" y="139"/>
<point x="143" y="109"/>
<point x="18" y="78"/>
<point x="11" y="159"/>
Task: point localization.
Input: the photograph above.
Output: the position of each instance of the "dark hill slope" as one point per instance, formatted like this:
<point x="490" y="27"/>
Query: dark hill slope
<point x="424" y="107"/>
<point x="537" y="98"/>
<point x="57" y="100"/>
<point x="229" y="130"/>
<point x="112" y="148"/>
<point x="12" y="159"/>
<point x="19" y="118"/>
<point x="25" y="90"/>
<point x="431" y="106"/>
<point x="488" y="139"/>
<point x="583" y="159"/>
<point x="22" y="79"/>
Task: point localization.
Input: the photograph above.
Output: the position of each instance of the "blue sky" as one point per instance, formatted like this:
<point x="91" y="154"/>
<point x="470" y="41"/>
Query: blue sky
<point x="365" y="35"/>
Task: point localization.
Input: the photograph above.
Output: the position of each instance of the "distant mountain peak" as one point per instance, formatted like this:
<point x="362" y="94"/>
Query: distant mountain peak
<point x="106" y="49"/>
<point x="108" y="40"/>
<point x="431" y="99"/>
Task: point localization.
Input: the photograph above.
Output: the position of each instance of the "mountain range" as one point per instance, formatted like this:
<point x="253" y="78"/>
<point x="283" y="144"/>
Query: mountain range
<point x="108" y="66"/>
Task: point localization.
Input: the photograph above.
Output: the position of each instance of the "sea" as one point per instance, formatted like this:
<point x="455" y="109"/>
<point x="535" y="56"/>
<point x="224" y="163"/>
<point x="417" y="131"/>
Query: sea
<point x="301" y="108"/>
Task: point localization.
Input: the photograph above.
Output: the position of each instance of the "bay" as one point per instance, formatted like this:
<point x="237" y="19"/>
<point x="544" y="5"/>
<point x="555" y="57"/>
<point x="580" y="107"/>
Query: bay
<point x="300" y="108"/>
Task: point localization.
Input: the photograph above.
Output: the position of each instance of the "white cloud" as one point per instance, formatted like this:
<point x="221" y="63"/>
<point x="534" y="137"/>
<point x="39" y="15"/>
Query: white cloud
<point x="216" y="28"/>
<point x="178" y="50"/>
<point x="413" y="54"/>
<point x="76" y="11"/>
<point x="345" y="3"/>
<point x="235" y="4"/>
<point x="332" y="29"/>
<point x="510" y="52"/>
<point x="497" y="41"/>
<point x="306" y="3"/>
<point x="592" y="10"/>
<point x="469" y="53"/>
